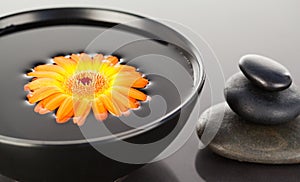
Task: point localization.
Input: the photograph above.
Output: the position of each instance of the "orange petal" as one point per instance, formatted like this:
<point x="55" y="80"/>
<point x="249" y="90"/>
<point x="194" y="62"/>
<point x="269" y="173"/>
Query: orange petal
<point x="131" y="92"/>
<point x="85" y="57"/>
<point x="98" y="57"/>
<point x="53" y="68"/>
<point x="54" y="101"/>
<point x="38" y="107"/>
<point x="137" y="94"/>
<point x="44" y="111"/>
<point x="41" y="94"/>
<point x="62" y="120"/>
<point x="65" y="108"/>
<point x="125" y="101"/>
<point x="121" y="106"/>
<point x="140" y="83"/>
<point x="66" y="118"/>
<point x="46" y="74"/>
<point x="99" y="110"/>
<point x="127" y="78"/>
<point x="26" y="87"/>
<point x="137" y="82"/>
<point x="81" y="110"/>
<point x="127" y="68"/>
<point x="126" y="74"/>
<point x="110" y="71"/>
<point x="63" y="61"/>
<point x="109" y="105"/>
<point x="112" y="59"/>
<point x="41" y="82"/>
<point x="75" y="58"/>
<point x="51" y="97"/>
<point x="133" y="103"/>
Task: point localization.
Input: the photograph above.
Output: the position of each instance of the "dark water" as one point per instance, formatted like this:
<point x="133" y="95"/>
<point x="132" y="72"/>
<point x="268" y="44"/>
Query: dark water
<point x="22" y="51"/>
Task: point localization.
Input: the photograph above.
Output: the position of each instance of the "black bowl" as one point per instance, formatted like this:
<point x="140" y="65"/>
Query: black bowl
<point x="33" y="147"/>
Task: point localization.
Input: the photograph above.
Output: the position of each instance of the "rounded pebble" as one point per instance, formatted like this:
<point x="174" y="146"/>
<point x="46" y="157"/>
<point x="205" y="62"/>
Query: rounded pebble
<point x="265" y="72"/>
<point x="260" y="106"/>
<point x="245" y="141"/>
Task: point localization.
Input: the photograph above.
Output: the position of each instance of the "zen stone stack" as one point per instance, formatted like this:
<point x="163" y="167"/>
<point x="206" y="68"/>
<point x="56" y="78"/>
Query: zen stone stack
<point x="261" y="121"/>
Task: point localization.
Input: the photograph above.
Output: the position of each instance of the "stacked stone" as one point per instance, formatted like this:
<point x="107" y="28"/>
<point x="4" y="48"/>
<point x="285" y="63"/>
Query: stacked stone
<point x="260" y="122"/>
<point x="264" y="93"/>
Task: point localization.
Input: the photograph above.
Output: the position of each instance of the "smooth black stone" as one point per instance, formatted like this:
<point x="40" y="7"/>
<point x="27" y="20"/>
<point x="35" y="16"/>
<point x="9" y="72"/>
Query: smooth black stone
<point x="245" y="141"/>
<point x="265" y="72"/>
<point x="260" y="106"/>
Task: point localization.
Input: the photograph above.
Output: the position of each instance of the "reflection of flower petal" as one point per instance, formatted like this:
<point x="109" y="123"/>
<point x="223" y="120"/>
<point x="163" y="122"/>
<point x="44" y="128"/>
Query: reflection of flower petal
<point x="74" y="85"/>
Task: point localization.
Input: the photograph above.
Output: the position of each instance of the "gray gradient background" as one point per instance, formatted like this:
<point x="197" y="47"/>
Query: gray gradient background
<point x="232" y="28"/>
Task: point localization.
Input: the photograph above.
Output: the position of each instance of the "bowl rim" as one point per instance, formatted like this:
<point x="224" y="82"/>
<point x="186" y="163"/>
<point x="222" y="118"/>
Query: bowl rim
<point x="27" y="17"/>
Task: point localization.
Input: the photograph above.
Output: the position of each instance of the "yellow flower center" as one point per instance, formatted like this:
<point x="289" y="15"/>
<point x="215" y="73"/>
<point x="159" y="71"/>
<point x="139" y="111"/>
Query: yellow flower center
<point x="86" y="84"/>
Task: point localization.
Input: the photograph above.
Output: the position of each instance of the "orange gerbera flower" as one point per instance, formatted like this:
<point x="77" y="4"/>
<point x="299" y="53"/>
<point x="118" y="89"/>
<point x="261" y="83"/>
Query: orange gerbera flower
<point x="74" y="85"/>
